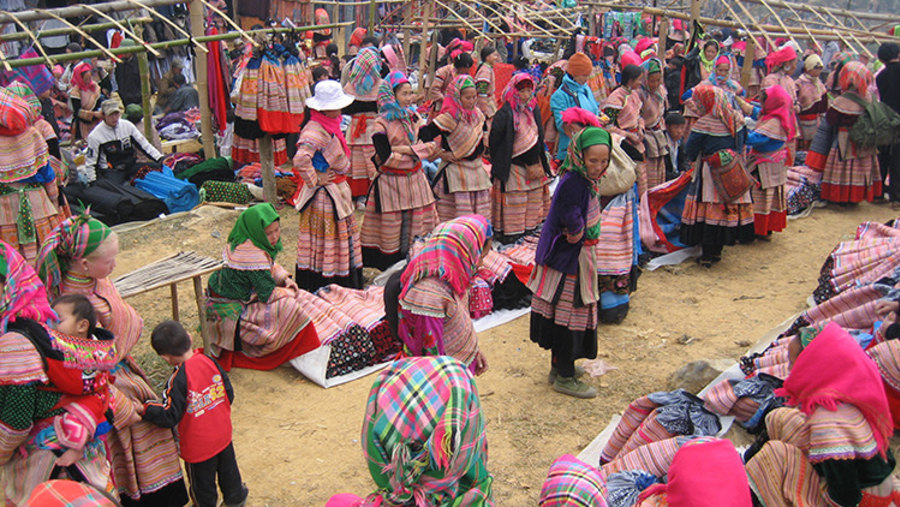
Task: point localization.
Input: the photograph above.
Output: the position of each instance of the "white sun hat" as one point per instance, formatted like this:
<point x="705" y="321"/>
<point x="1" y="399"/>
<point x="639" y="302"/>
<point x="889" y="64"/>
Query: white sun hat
<point x="329" y="96"/>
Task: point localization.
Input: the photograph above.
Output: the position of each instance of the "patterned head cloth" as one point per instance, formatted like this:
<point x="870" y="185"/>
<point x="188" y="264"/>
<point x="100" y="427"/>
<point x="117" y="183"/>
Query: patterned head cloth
<point x="64" y="493"/>
<point x="251" y="224"/>
<point x="571" y="483"/>
<point x="24" y="90"/>
<point x="511" y="96"/>
<point x="777" y="104"/>
<point x="365" y="73"/>
<point x="390" y="109"/>
<point x="855" y="77"/>
<point x="589" y="136"/>
<point x="75" y="238"/>
<point x="716" y="115"/>
<point x="452" y="253"/>
<point x="23" y="293"/>
<point x="453" y="99"/>
<point x="423" y="435"/>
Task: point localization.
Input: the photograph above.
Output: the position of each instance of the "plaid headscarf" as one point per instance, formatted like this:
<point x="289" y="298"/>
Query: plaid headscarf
<point x="23" y="90"/>
<point x="66" y="493"/>
<point x="365" y="72"/>
<point x="251" y="224"/>
<point x="38" y="76"/>
<point x="716" y="115"/>
<point x="855" y="77"/>
<point x="390" y="109"/>
<point x="23" y="293"/>
<point x="452" y="253"/>
<point x="511" y="96"/>
<point x="587" y="137"/>
<point x="75" y="238"/>
<point x="572" y="483"/>
<point x="453" y="99"/>
<point x="423" y="435"/>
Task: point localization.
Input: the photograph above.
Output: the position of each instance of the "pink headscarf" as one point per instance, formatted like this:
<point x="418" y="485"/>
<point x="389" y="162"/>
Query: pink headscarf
<point x="778" y="105"/>
<point x="582" y="116"/>
<point x="705" y="473"/>
<point x="23" y="292"/>
<point x="834" y="369"/>
<point x="630" y="58"/>
<point x="78" y="79"/>
<point x="723" y="59"/>
<point x="780" y="57"/>
<point x="511" y="96"/>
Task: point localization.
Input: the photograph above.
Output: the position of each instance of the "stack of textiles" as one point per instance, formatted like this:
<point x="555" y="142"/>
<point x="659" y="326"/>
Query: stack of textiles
<point x="179" y="195"/>
<point x="181" y="161"/>
<point x="803" y="188"/>
<point x="274" y="87"/>
<point x="215" y="169"/>
<point x="855" y="276"/>
<point x="352" y="330"/>
<point x="660" y="215"/>
<point x="178" y="125"/>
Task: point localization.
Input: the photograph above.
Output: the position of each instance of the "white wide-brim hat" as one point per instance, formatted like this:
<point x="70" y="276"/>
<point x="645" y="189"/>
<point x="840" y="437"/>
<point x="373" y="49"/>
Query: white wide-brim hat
<point x="328" y="96"/>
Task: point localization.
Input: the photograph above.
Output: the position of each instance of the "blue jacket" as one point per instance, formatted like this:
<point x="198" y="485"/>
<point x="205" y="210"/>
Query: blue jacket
<point x="570" y="94"/>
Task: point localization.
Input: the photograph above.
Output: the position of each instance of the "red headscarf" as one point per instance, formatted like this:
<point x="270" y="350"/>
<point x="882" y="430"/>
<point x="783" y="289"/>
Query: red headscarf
<point x="834" y="369"/>
<point x="778" y="105"/>
<point x="780" y="57"/>
<point x="78" y="79"/>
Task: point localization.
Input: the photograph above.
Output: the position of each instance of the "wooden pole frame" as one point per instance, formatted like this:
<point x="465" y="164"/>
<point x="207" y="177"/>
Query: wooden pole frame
<point x="120" y="26"/>
<point x="84" y="34"/>
<point x="174" y="26"/>
<point x="34" y="39"/>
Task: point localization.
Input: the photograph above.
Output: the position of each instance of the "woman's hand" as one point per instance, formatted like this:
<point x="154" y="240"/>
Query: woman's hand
<point x="290" y="284"/>
<point x="480" y="364"/>
<point x="574" y="238"/>
<point x="883" y="307"/>
<point x="324" y="178"/>
<point x="284" y="292"/>
<point x="447" y="156"/>
<point x="403" y="150"/>
<point x="69" y="457"/>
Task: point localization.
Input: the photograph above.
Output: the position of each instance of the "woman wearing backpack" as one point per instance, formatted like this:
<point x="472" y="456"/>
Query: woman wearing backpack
<point x="850" y="172"/>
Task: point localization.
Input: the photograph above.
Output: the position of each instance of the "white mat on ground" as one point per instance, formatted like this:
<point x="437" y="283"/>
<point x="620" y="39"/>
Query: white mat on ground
<point x="671" y="259"/>
<point x="314" y="364"/>
<point x="499" y="318"/>
<point x="591" y="453"/>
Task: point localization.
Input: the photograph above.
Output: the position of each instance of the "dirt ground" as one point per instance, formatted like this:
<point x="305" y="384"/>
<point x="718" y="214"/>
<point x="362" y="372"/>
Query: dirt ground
<point x="297" y="443"/>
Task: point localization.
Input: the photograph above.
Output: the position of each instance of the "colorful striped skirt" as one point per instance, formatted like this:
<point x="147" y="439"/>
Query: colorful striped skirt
<point x="144" y="457"/>
<point x="769" y="209"/>
<point x="457" y="204"/>
<point x="387" y="237"/>
<point x="328" y="249"/>
<point x="516" y="213"/>
<point x="568" y="329"/>
<point x="655" y="168"/>
<point x="246" y="151"/>
<point x="852" y="180"/>
<point x="713" y="223"/>
<point x="44" y="215"/>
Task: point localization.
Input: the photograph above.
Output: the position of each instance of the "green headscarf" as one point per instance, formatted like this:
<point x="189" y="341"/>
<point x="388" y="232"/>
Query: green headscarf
<point x="587" y="137"/>
<point x="252" y="224"/>
<point x="75" y="238"/>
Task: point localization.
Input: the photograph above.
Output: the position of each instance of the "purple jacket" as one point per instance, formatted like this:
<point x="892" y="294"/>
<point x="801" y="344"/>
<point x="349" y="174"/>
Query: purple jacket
<point x="567" y="212"/>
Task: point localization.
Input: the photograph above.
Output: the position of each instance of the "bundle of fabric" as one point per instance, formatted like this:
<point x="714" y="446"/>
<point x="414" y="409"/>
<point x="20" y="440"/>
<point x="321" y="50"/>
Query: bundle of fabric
<point x="225" y="191"/>
<point x="179" y="195"/>
<point x="660" y="215"/>
<point x="181" y="161"/>
<point x="804" y="189"/>
<point x="215" y="169"/>
<point x="177" y="125"/>
<point x="659" y="416"/>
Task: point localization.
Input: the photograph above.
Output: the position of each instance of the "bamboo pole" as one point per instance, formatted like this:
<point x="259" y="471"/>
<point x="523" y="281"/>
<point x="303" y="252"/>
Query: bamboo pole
<point x="84" y="34"/>
<point x="872" y="16"/>
<point x="120" y="26"/>
<point x="200" y="70"/>
<point x="826" y="23"/>
<point x="267" y="168"/>
<point x="37" y="44"/>
<point x="864" y="27"/>
<point x="227" y="20"/>
<point x="528" y="20"/>
<point x="661" y="43"/>
<point x="777" y="19"/>
<point x="169" y="22"/>
<point x="747" y="68"/>
<point x="77" y="11"/>
<point x="464" y="21"/>
<point x="40" y="34"/>
<point x="806" y="28"/>
<point x="68" y="57"/>
<point x="850" y="33"/>
<point x="480" y="15"/>
<point x="755" y="22"/>
<point x="372" y="16"/>
<point x="429" y="11"/>
<point x="144" y="68"/>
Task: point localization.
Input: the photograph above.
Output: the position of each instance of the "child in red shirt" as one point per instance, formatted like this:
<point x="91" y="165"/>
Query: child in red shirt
<point x="198" y="400"/>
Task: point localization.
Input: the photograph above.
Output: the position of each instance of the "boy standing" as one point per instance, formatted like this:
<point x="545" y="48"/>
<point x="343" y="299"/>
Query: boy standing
<point x="198" y="400"/>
